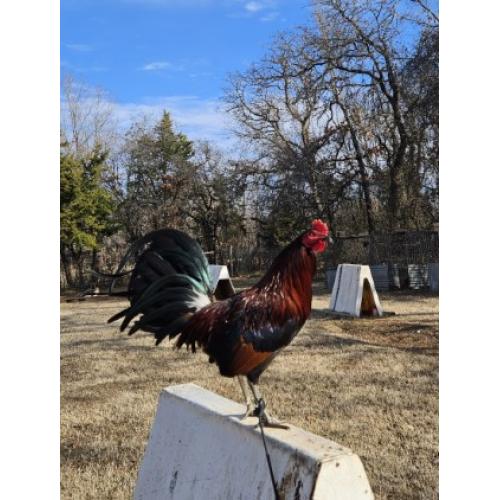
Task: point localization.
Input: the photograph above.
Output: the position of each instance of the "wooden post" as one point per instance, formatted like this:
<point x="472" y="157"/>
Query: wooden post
<point x="231" y="267"/>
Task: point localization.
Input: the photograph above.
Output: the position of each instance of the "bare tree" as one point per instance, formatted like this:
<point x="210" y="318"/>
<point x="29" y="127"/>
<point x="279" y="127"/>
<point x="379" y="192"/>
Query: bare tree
<point x="87" y="118"/>
<point x="358" y="39"/>
<point x="294" y="124"/>
<point x="214" y="203"/>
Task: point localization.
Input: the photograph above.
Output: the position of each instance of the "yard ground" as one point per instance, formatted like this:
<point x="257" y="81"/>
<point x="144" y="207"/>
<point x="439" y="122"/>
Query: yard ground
<point x="369" y="384"/>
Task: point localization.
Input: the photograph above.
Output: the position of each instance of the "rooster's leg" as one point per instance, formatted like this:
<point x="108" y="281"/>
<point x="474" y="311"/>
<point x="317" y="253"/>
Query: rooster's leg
<point x="267" y="420"/>
<point x="248" y="397"/>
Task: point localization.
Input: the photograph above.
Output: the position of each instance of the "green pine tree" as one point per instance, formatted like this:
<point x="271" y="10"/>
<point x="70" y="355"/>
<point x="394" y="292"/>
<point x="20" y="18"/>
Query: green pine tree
<point x="86" y="211"/>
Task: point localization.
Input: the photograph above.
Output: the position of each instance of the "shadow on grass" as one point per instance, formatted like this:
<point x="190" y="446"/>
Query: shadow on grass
<point x="326" y="313"/>
<point x="408" y="295"/>
<point x="328" y="340"/>
<point x="424" y="313"/>
<point x="414" y="328"/>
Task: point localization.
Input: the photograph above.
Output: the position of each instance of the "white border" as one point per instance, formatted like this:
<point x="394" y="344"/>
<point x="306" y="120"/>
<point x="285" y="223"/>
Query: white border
<point x="29" y="257"/>
<point x="469" y="228"/>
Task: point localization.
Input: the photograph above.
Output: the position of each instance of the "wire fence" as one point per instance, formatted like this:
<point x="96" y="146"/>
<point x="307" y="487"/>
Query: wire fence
<point x="401" y="248"/>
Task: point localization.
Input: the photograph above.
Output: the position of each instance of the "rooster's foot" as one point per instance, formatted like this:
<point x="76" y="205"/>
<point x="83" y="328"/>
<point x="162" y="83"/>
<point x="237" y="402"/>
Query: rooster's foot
<point x="268" y="421"/>
<point x="265" y="419"/>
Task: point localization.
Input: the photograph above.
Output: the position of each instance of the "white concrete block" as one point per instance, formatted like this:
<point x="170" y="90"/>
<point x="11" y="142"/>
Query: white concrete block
<point x="354" y="292"/>
<point x="200" y="449"/>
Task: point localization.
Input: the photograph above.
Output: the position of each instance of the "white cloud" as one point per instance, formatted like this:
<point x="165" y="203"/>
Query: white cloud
<point x="79" y="47"/>
<point x="253" y="6"/>
<point x="156" y="66"/>
<point x="199" y="119"/>
<point x="269" y="17"/>
<point x="171" y="3"/>
<point x="249" y="6"/>
<point x="82" y="69"/>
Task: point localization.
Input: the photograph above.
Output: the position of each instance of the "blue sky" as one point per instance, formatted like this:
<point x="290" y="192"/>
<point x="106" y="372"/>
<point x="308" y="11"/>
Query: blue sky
<point x="150" y="54"/>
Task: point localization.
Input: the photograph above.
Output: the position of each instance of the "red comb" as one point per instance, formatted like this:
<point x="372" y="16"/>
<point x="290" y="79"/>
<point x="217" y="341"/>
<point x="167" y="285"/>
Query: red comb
<point x="319" y="225"/>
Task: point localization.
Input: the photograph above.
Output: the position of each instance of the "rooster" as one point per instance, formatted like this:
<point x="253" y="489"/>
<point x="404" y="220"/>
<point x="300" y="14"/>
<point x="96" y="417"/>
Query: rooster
<point x="170" y="291"/>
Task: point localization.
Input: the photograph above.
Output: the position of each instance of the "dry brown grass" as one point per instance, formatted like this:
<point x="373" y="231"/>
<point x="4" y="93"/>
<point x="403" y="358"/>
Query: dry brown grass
<point x="369" y="384"/>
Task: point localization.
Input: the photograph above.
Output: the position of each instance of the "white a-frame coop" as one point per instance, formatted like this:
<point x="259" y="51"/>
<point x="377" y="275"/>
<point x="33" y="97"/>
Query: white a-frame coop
<point x="222" y="285"/>
<point x="354" y="292"/>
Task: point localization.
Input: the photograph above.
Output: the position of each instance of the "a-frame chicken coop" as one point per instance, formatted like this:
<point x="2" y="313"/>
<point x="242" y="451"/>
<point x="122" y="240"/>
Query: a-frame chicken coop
<point x="221" y="282"/>
<point x="354" y="292"/>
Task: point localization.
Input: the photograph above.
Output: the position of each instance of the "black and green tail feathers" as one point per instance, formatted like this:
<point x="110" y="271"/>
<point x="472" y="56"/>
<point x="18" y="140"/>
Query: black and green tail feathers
<point x="169" y="283"/>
